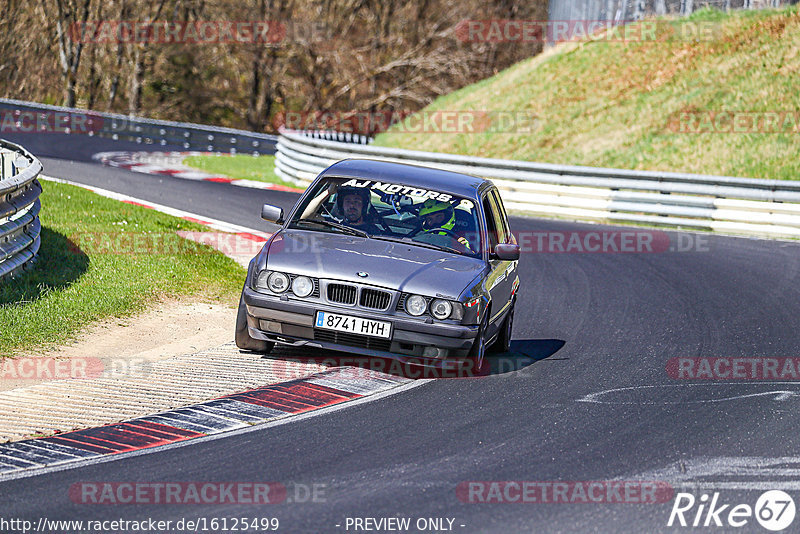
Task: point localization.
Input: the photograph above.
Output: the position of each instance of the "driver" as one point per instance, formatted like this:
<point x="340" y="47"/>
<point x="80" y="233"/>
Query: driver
<point x="353" y="203"/>
<point x="438" y="215"/>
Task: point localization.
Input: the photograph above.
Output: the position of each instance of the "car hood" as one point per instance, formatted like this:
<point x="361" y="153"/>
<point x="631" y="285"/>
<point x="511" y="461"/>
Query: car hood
<point x="391" y="265"/>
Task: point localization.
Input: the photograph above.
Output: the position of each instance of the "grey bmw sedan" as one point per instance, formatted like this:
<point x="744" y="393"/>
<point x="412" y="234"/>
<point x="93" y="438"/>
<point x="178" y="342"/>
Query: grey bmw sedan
<point x="388" y="260"/>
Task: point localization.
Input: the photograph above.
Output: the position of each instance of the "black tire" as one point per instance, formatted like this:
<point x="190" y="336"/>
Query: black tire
<point x="243" y="339"/>
<point x="503" y="341"/>
<point x="476" y="359"/>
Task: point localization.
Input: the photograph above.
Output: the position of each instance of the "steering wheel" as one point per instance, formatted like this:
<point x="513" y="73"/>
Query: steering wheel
<point x="440" y="229"/>
<point x="454" y="236"/>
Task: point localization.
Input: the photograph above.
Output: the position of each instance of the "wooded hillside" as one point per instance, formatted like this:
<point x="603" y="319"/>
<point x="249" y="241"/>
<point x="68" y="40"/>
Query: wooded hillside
<point x="338" y="55"/>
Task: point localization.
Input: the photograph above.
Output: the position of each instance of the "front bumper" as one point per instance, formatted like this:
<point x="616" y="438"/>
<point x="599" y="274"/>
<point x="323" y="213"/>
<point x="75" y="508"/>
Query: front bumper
<point x="290" y="322"/>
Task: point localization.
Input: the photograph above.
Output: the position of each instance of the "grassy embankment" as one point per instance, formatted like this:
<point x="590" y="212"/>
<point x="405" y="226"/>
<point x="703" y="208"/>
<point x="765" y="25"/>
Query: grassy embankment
<point x="102" y="258"/>
<point x="239" y="166"/>
<point x="618" y="104"/>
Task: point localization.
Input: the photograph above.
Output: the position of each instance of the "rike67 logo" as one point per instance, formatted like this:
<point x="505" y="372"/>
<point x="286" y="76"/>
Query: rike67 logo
<point x="774" y="510"/>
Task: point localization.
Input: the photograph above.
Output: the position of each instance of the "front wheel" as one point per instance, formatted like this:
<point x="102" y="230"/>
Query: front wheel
<point x="243" y="339"/>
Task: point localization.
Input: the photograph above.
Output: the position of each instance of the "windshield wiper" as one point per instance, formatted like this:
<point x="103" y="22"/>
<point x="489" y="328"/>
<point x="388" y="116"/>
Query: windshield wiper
<point x="344" y="228"/>
<point x="410" y="241"/>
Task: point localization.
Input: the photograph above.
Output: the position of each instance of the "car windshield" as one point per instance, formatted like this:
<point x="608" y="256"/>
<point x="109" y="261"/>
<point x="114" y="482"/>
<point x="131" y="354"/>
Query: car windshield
<point x="392" y="211"/>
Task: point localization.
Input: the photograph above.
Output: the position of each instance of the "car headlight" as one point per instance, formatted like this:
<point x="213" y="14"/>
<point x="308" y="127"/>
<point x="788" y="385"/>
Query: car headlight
<point x="261" y="280"/>
<point x="415" y="305"/>
<point x="441" y="309"/>
<point x="278" y="282"/>
<point x="302" y="286"/>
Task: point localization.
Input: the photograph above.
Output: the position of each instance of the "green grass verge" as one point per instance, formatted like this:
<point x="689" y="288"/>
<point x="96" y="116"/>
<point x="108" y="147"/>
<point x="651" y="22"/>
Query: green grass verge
<point x="102" y="258"/>
<point x="239" y="166"/>
<point x="615" y="104"/>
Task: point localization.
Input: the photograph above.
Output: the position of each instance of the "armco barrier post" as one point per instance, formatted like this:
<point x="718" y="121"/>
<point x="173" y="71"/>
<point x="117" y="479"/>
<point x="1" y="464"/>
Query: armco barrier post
<point x="6" y="164"/>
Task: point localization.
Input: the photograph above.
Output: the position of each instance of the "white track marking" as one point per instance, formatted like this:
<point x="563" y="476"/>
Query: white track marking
<point x="777" y="395"/>
<point x="721" y="472"/>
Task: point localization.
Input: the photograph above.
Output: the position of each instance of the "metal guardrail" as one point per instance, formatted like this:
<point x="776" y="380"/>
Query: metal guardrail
<point x="720" y="203"/>
<point x="20" y="231"/>
<point x="114" y="126"/>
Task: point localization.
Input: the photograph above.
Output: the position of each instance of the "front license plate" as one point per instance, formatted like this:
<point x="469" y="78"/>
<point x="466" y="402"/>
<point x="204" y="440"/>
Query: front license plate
<point x="353" y="325"/>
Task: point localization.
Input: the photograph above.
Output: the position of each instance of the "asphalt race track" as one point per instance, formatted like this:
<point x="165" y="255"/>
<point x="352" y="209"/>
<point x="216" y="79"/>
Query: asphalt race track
<point x="585" y="396"/>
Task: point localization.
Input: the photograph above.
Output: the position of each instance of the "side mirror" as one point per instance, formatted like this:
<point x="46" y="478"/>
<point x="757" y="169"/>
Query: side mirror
<point x="507" y="251"/>
<point x="272" y="214"/>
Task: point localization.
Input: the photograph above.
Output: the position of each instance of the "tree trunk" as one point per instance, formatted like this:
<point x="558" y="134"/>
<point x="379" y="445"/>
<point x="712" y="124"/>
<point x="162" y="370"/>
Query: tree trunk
<point x="69" y="16"/>
<point x="135" y="92"/>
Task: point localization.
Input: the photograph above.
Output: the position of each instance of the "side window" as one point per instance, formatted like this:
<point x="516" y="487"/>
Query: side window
<point x="500" y="217"/>
<point x="491" y="222"/>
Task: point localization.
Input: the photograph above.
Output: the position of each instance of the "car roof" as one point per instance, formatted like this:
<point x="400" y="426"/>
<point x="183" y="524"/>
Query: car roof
<point x="413" y="175"/>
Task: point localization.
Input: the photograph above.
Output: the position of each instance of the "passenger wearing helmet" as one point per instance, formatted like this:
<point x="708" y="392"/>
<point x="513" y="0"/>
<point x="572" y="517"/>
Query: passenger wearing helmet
<point x="353" y="203"/>
<point x="440" y="218"/>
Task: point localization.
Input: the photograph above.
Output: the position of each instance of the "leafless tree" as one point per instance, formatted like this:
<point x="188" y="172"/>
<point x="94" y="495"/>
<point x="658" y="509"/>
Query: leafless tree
<point x="71" y="17"/>
<point x="338" y="55"/>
